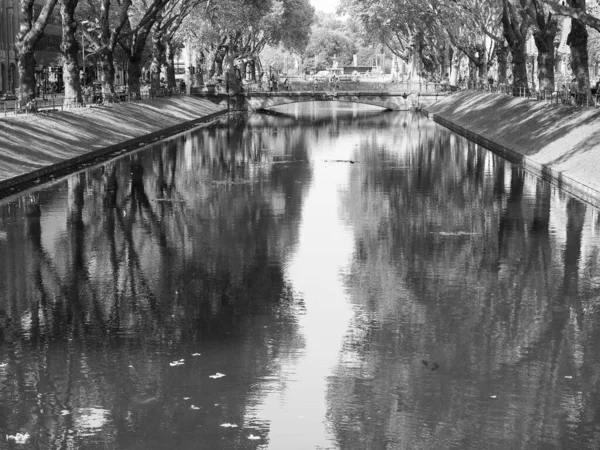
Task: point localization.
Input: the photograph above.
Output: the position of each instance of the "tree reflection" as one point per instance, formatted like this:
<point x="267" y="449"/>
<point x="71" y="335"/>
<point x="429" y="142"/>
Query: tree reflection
<point x="127" y="267"/>
<point x="456" y="263"/>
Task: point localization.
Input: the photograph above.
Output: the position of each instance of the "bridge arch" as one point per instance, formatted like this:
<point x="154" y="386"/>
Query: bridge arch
<point x="396" y="102"/>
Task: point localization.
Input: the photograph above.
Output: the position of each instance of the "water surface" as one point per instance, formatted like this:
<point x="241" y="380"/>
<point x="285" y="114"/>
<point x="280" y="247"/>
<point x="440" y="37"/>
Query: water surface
<point x="332" y="277"/>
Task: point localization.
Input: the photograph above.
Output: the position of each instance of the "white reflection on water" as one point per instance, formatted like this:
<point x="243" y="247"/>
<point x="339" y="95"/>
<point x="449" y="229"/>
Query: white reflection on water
<point x="297" y="411"/>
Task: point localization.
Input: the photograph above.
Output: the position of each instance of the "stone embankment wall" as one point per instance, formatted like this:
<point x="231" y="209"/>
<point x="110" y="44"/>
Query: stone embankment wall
<point x="560" y="143"/>
<point x="36" y="147"/>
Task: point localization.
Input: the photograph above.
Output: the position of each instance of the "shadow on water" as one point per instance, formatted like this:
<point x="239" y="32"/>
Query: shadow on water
<point x="156" y="301"/>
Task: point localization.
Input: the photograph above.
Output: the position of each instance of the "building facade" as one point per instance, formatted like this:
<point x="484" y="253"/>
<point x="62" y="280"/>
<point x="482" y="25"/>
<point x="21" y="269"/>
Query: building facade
<point x="47" y="52"/>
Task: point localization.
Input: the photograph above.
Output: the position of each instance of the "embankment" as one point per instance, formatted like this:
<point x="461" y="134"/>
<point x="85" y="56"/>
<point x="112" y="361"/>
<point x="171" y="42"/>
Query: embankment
<point x="37" y="146"/>
<point x="560" y="143"/>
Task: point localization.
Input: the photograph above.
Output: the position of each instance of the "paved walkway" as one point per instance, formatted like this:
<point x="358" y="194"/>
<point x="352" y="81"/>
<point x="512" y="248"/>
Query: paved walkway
<point x="31" y="142"/>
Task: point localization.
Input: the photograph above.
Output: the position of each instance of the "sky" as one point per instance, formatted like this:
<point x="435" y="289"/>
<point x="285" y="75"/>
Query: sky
<point x="324" y="5"/>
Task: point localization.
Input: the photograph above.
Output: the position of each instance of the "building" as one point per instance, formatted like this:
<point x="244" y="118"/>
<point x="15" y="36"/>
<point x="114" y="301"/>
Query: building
<point x="47" y="53"/>
<point x="8" y="26"/>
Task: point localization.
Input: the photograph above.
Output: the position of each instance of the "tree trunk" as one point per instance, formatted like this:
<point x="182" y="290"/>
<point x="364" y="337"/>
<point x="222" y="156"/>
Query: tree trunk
<point x="455" y="68"/>
<point x="514" y="28"/>
<point x="158" y="53"/>
<point x="578" y="42"/>
<point x="544" y="41"/>
<point x="170" y="65"/>
<point x="107" y="76"/>
<point x="70" y="51"/>
<point x="210" y="64"/>
<point x="519" y="65"/>
<point x="134" y="73"/>
<point x="26" y="66"/>
<point x="31" y="30"/>
<point x="501" y="56"/>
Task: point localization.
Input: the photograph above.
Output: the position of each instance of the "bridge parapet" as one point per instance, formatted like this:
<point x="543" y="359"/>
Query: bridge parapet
<point x="308" y="84"/>
<point x="388" y="100"/>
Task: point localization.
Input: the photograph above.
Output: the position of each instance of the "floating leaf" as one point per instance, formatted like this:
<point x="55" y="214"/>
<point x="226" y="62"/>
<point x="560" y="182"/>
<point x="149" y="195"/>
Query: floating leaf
<point x="252" y="437"/>
<point x="177" y="363"/>
<point x="493" y="396"/>
<point x="194" y="407"/>
<point x="65" y="412"/>
<point x="19" y="438"/>
<point x="217" y="375"/>
<point x="568" y="377"/>
<point x="186" y="398"/>
<point x="196" y="354"/>
<point x="229" y="425"/>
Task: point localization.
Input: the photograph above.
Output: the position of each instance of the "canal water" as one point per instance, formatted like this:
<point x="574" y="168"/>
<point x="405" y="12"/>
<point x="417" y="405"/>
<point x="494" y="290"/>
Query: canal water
<point x="331" y="277"/>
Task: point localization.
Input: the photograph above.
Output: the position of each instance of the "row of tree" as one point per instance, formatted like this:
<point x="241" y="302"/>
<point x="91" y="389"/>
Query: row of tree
<point x="226" y="34"/>
<point x="435" y="34"/>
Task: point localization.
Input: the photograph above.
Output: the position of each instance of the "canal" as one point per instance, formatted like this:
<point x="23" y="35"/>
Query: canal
<point x="331" y="277"/>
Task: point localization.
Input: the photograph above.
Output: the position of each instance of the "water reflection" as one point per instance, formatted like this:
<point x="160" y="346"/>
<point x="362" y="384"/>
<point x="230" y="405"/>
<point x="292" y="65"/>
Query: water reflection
<point x="331" y="277"/>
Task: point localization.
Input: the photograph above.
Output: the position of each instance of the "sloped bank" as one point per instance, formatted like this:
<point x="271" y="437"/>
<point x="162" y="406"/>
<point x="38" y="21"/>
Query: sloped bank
<point x="559" y="143"/>
<point x="35" y="148"/>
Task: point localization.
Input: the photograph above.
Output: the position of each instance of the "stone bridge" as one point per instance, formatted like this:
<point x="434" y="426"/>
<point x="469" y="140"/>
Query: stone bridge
<point x="396" y="101"/>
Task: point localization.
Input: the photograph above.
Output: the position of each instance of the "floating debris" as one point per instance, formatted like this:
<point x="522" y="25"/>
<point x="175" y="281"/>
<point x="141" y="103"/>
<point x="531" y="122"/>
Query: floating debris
<point x="229" y="425"/>
<point x="19" y="438"/>
<point x="65" y="412"/>
<point x="340" y="160"/>
<point x="217" y="375"/>
<point x="194" y="407"/>
<point x="456" y="233"/>
<point x="186" y="398"/>
<point x="3" y="365"/>
<point x="196" y="354"/>
<point x="568" y="377"/>
<point x="252" y="437"/>
<point x="167" y="200"/>
<point x="493" y="396"/>
<point x="177" y="363"/>
<point x="228" y="183"/>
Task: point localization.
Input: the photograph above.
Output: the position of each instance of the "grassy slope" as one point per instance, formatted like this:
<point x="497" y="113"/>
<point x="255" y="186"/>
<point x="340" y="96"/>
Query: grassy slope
<point x="30" y="142"/>
<point x="564" y="138"/>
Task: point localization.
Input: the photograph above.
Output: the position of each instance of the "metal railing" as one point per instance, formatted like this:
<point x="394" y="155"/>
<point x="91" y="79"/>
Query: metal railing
<point x="581" y="98"/>
<point x="58" y="102"/>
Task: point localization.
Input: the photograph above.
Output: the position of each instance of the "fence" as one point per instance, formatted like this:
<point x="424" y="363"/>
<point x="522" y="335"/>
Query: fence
<point x="582" y="98"/>
<point x="55" y="103"/>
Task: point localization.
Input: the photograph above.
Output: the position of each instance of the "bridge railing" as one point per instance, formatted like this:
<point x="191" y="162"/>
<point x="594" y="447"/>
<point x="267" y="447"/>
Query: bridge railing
<point x="320" y="84"/>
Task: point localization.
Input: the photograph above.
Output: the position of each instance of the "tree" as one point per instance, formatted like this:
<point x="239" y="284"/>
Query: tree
<point x="243" y="29"/>
<point x="31" y="30"/>
<point x="578" y="42"/>
<point x="70" y="50"/>
<point x="110" y="21"/>
<point x="545" y="29"/>
<point x="325" y="45"/>
<point x="515" y="32"/>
